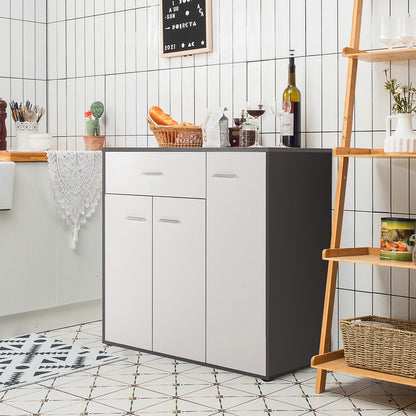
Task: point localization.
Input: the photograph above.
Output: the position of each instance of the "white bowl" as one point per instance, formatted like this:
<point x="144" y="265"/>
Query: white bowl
<point x="40" y="142"/>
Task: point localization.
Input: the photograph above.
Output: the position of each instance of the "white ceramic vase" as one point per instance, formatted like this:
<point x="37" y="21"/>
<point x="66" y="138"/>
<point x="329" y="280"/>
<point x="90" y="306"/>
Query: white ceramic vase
<point x="404" y="138"/>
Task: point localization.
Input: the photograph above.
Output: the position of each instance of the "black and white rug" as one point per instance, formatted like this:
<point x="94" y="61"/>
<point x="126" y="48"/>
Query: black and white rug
<point x="32" y="358"/>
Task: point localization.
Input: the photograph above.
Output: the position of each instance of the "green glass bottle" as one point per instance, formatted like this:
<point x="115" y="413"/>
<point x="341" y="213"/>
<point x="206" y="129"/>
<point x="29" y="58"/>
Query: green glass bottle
<point x="291" y="102"/>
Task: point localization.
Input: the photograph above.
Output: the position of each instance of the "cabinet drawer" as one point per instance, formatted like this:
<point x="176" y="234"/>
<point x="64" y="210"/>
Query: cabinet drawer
<point x="159" y="174"/>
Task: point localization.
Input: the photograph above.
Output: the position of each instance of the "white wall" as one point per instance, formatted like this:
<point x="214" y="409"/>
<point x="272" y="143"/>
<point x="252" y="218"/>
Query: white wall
<point x="109" y="50"/>
<point x="39" y="270"/>
<point x="23" y="55"/>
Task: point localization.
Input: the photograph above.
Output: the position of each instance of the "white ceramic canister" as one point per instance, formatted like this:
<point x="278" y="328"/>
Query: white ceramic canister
<point x="24" y="129"/>
<point x="404" y="138"/>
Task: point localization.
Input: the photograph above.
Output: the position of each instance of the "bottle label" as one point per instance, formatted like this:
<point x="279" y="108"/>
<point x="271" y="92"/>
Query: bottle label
<point x="288" y="118"/>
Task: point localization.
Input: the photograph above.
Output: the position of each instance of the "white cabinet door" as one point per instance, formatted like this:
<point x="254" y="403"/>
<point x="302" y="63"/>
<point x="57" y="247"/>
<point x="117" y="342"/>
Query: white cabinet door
<point x="179" y="277"/>
<point x="236" y="261"/>
<point x="128" y="270"/>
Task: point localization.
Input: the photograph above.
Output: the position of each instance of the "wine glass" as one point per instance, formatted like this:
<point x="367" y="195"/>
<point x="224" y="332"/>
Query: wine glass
<point x="286" y="123"/>
<point x="390" y="30"/>
<point x="408" y="31"/>
<point x="256" y="109"/>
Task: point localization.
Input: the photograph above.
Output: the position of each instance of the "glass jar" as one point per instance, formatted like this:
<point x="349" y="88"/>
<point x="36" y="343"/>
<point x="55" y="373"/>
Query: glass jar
<point x="248" y="133"/>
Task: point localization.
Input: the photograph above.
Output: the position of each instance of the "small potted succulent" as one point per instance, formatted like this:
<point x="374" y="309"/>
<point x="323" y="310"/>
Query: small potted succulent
<point x="92" y="139"/>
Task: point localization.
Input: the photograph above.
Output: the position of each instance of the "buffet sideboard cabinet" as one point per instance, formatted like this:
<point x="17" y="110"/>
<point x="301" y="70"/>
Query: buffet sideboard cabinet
<point x="214" y="255"/>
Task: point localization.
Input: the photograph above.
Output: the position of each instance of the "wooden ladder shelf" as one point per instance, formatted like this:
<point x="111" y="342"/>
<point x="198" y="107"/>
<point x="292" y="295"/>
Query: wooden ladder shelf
<point x="334" y="361"/>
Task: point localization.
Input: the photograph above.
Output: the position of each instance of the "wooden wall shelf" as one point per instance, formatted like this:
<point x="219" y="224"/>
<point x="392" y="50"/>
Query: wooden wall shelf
<point x="335" y="361"/>
<point x="363" y="255"/>
<point x="375" y="153"/>
<point x="380" y="56"/>
<point x="23" y="156"/>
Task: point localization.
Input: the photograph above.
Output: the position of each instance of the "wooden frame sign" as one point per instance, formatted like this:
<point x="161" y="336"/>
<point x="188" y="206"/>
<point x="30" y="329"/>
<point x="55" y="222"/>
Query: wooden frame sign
<point x="185" y="27"/>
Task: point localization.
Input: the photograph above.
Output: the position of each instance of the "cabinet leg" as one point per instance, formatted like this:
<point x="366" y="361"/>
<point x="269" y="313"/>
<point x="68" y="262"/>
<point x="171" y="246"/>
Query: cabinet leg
<point x="320" y="381"/>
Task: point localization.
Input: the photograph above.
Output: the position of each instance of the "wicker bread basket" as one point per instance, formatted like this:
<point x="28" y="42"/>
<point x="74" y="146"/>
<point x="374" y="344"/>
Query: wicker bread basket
<point x="176" y="136"/>
<point x="377" y="348"/>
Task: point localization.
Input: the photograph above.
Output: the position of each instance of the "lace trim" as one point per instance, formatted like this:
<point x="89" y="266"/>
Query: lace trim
<point x="76" y="183"/>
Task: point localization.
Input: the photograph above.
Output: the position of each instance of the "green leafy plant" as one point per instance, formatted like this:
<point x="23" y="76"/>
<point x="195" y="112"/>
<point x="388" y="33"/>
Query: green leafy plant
<point x="403" y="95"/>
<point x="92" y="126"/>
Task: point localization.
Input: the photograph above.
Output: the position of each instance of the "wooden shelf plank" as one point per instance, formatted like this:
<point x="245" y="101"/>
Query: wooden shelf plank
<point x="335" y="361"/>
<point x="363" y="255"/>
<point x="23" y="156"/>
<point x="386" y="55"/>
<point x="361" y="152"/>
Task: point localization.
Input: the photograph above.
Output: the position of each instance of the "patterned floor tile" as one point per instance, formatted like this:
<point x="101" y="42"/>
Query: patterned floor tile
<point x="145" y="384"/>
<point x="411" y="407"/>
<point x="288" y="403"/>
<point x="82" y="408"/>
<point x="119" y="367"/>
<point x="132" y="399"/>
<point x="331" y="390"/>
<point x="91" y="387"/>
<point x="7" y="410"/>
<point x="378" y="402"/>
<point x="23" y="391"/>
<point x="393" y="388"/>
<point x="379" y="412"/>
<point x="323" y="402"/>
<point x="35" y="403"/>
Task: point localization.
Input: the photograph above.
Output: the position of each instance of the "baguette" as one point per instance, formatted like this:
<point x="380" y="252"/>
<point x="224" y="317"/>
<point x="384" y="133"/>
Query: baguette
<point x="161" y="118"/>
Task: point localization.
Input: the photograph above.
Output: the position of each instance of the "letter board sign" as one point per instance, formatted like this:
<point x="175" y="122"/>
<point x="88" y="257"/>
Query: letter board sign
<point x="185" y="27"/>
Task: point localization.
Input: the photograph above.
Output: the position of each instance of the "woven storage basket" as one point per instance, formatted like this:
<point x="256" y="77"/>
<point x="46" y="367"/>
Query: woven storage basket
<point x="176" y="136"/>
<point x="374" y="347"/>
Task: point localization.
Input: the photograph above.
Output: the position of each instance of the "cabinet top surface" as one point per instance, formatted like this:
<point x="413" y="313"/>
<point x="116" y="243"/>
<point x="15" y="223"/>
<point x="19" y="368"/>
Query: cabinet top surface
<point x="215" y="149"/>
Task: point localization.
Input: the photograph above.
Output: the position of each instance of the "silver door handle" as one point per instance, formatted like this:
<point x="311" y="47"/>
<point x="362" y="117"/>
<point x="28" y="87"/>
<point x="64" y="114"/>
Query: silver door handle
<point x="131" y="218"/>
<point x="224" y="175"/>
<point x="152" y="173"/>
<point x="169" y="221"/>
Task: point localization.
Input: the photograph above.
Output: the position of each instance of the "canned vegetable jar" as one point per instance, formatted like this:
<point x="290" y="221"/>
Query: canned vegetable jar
<point x="397" y="239"/>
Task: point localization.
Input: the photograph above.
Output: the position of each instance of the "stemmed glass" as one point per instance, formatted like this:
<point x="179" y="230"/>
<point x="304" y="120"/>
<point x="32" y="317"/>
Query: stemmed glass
<point x="408" y="31"/>
<point x="283" y="113"/>
<point x="390" y="30"/>
<point x="256" y="109"/>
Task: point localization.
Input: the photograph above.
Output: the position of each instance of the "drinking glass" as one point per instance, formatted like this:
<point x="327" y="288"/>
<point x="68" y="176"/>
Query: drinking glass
<point x="256" y="109"/>
<point x="408" y="31"/>
<point x="390" y="30"/>
<point x="282" y="112"/>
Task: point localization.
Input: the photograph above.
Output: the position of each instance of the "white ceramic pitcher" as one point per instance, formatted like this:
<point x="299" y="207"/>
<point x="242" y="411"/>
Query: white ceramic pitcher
<point x="404" y="138"/>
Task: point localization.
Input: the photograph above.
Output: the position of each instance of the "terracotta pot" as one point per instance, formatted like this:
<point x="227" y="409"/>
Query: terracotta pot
<point x="94" y="142"/>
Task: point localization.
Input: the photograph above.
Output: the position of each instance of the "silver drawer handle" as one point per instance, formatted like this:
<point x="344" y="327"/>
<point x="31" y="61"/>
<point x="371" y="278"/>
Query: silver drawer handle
<point x="167" y="220"/>
<point x="131" y="218"/>
<point x="152" y="173"/>
<point x="224" y="175"/>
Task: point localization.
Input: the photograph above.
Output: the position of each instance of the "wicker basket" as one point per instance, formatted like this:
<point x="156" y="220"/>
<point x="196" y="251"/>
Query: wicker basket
<point x="377" y="348"/>
<point x="176" y="136"/>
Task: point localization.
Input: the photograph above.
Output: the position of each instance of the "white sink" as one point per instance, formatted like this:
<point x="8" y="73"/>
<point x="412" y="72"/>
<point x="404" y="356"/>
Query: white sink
<point x="7" y="171"/>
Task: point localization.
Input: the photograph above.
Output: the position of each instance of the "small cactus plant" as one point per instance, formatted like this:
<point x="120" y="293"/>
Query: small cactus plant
<point x="93" y="125"/>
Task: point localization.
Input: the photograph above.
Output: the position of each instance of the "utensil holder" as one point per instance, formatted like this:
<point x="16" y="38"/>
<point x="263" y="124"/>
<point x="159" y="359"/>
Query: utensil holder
<point x="24" y="129"/>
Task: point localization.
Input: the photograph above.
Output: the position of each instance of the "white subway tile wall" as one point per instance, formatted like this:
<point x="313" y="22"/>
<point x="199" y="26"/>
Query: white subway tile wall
<point x="67" y="54"/>
<point x="23" y="49"/>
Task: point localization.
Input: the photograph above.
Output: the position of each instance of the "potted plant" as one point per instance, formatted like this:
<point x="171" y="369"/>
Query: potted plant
<point x="403" y="109"/>
<point x="93" y="140"/>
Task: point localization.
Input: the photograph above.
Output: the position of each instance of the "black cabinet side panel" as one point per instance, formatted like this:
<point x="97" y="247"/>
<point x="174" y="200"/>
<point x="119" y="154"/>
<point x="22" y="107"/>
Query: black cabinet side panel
<point x="298" y="229"/>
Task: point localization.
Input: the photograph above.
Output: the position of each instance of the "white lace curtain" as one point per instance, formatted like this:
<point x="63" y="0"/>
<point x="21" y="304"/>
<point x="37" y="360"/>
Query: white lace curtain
<point x="76" y="183"/>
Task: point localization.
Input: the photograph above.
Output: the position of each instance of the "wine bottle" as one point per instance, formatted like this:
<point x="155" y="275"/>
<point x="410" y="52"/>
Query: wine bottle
<point x="290" y="129"/>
